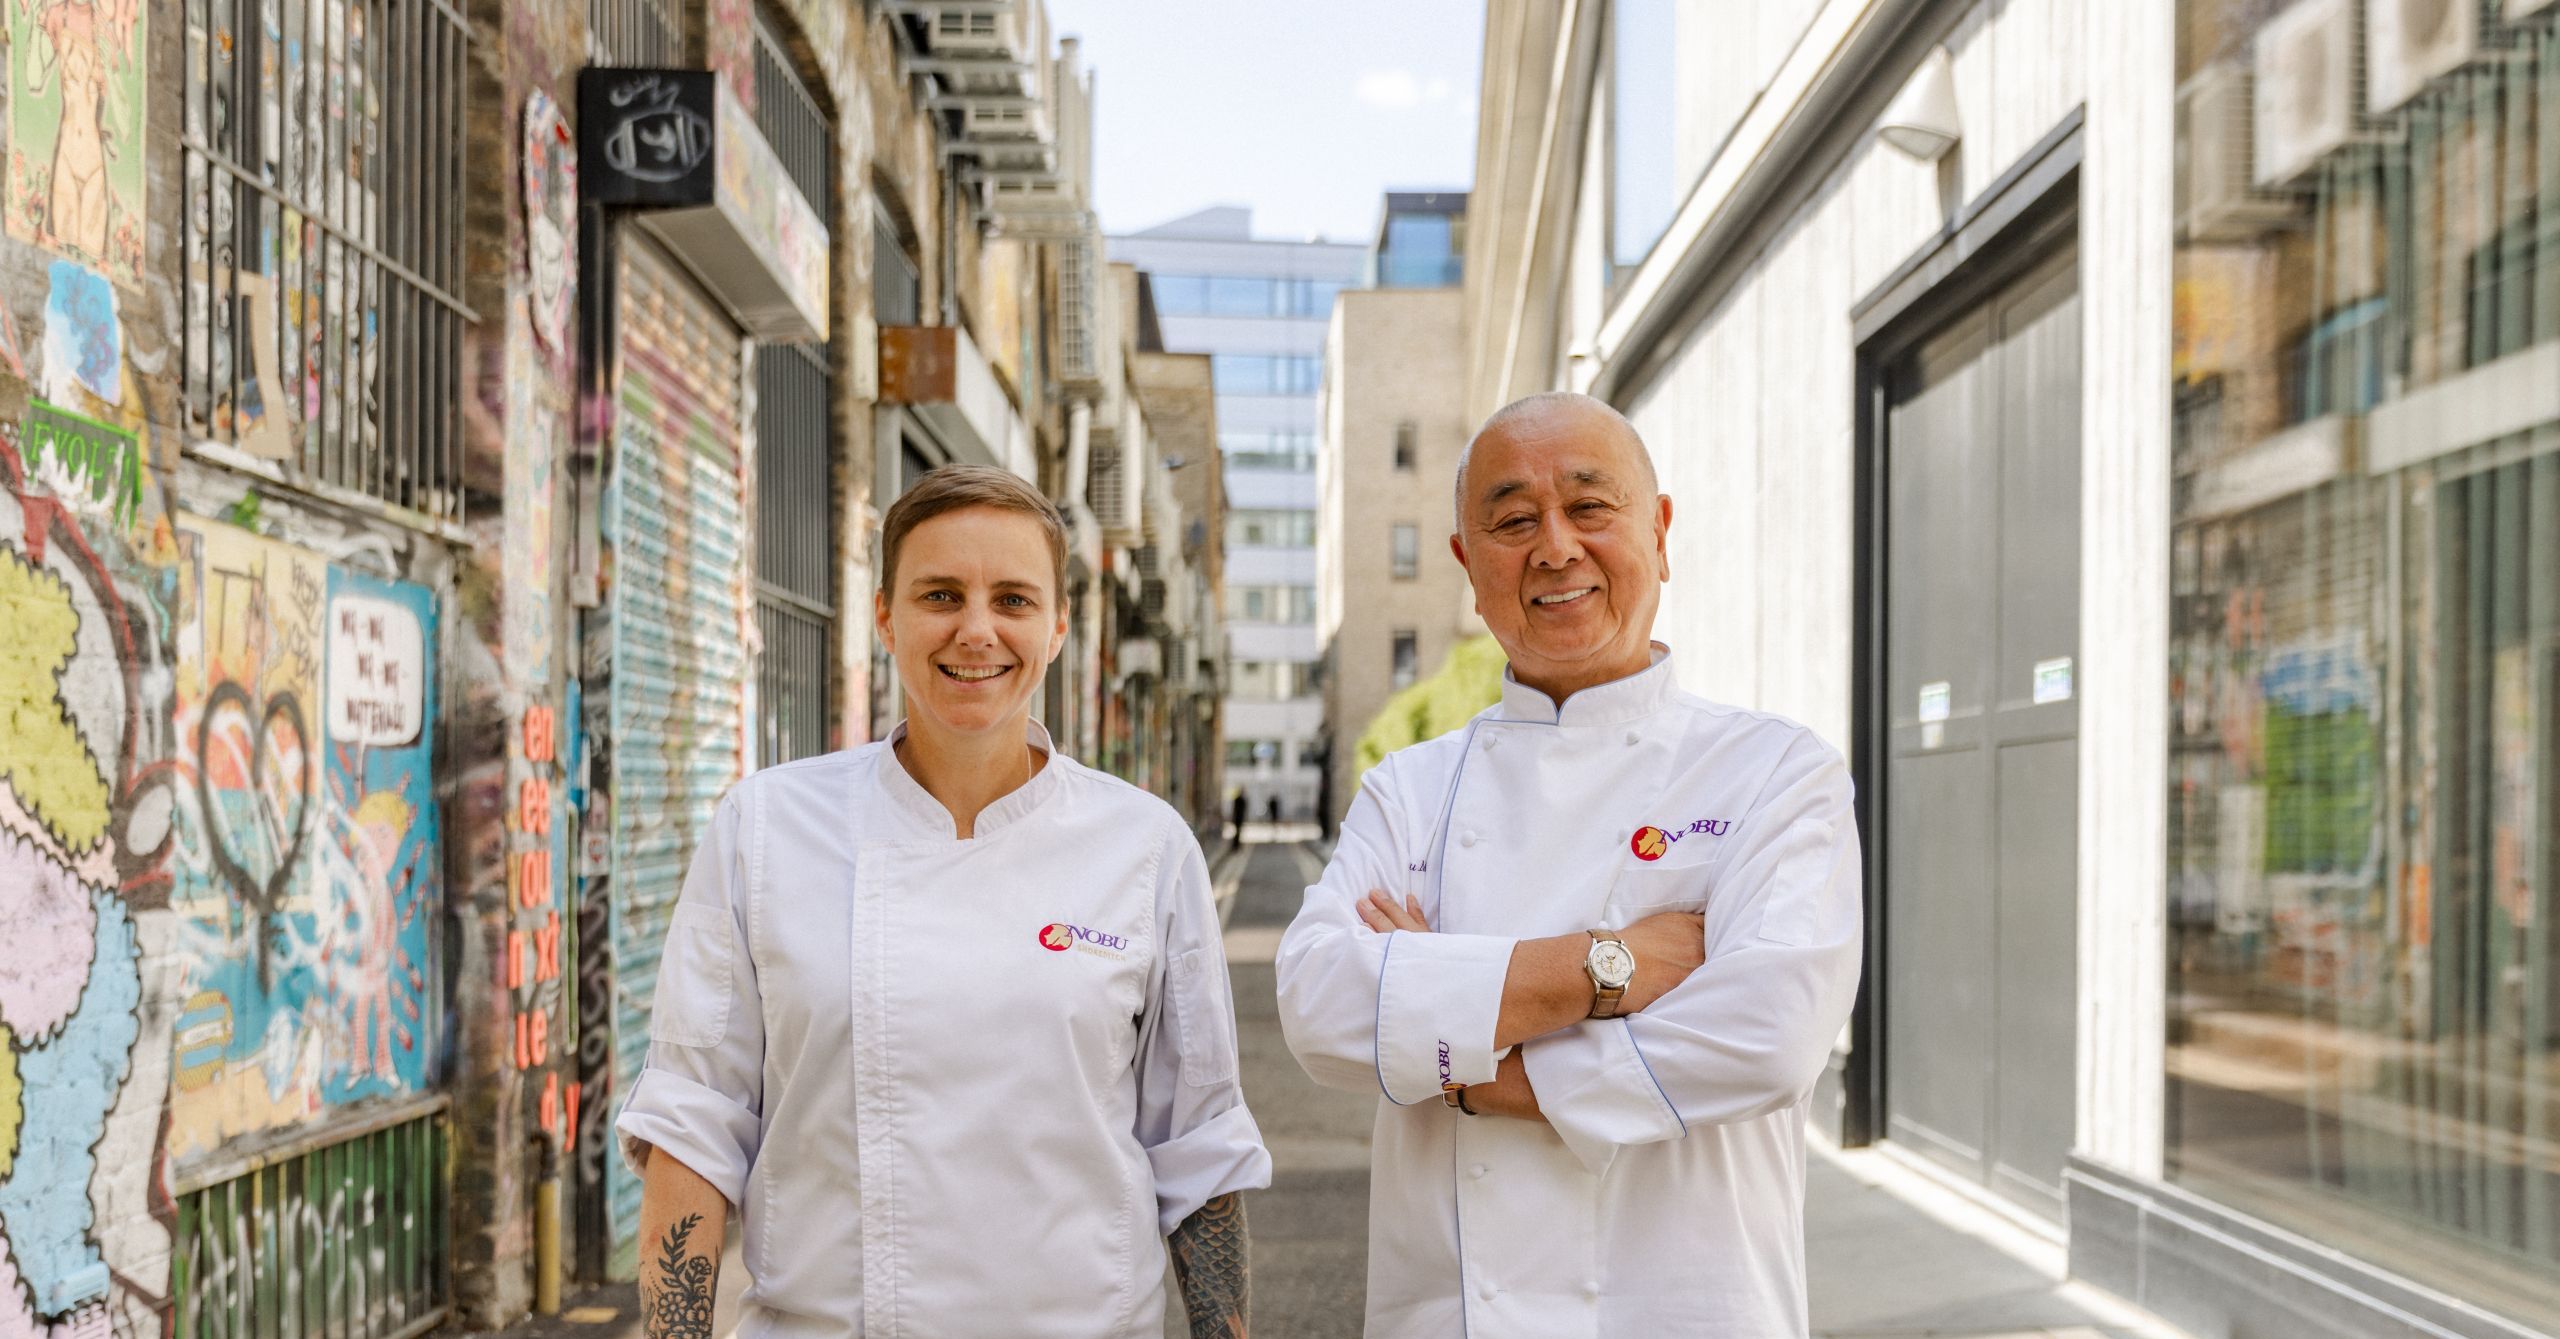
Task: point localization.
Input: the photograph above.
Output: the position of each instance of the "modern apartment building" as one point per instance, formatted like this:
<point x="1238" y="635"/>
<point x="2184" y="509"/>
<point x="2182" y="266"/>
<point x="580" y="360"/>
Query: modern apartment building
<point x="1259" y="308"/>
<point x="1390" y="600"/>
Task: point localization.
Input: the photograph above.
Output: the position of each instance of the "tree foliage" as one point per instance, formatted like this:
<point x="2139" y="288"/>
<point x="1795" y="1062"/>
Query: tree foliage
<point x="1467" y="682"/>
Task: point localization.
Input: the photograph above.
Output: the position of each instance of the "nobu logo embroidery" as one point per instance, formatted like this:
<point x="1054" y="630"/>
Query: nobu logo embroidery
<point x="1058" y="937"/>
<point x="1651" y="843"/>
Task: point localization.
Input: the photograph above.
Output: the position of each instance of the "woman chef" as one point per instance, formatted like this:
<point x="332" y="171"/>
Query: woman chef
<point x="946" y="1017"/>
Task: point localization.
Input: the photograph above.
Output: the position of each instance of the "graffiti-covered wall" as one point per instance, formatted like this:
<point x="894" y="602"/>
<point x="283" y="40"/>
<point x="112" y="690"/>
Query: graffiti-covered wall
<point x="219" y="874"/>
<point x="307" y="875"/>
<point x="221" y="888"/>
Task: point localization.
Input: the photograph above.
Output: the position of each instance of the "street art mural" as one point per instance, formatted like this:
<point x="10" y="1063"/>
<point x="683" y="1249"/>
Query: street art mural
<point x="84" y="823"/>
<point x="306" y="897"/>
<point x="76" y="111"/>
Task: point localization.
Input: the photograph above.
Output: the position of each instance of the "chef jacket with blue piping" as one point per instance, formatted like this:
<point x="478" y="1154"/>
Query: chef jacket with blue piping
<point x="1667" y="1198"/>
<point x="958" y="1087"/>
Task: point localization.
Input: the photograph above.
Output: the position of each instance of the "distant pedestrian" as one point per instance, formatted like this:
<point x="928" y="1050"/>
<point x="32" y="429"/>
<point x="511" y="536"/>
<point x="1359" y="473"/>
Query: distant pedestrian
<point x="1271" y="808"/>
<point x="1618" y="1148"/>
<point x="1238" y="807"/>
<point x="945" y="1017"/>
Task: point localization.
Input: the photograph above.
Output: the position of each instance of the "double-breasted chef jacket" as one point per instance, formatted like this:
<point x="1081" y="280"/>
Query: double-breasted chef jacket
<point x="957" y="1087"/>
<point x="1667" y="1198"/>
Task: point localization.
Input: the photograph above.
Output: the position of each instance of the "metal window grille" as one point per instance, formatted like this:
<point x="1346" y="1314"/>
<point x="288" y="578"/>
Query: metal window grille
<point x="791" y="118"/>
<point x="343" y="1241"/>
<point x="795" y="551"/>
<point x="897" y="286"/>
<point x="320" y="301"/>
<point x="645" y="33"/>
<point x="795" y="452"/>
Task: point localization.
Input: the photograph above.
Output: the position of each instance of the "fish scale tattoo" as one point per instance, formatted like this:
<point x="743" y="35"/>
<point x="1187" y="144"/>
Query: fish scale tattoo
<point x="680" y="1306"/>
<point x="1209" y="1262"/>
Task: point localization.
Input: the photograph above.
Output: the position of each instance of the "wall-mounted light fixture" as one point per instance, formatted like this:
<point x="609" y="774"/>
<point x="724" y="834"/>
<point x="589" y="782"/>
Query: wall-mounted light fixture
<point x="1922" y="121"/>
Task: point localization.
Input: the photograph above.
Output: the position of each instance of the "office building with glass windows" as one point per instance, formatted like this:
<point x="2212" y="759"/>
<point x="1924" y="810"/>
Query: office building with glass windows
<point x="1260" y="307"/>
<point x="2129" y="432"/>
<point x="1391" y="601"/>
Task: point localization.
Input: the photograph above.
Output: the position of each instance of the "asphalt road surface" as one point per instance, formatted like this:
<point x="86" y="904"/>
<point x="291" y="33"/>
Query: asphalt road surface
<point x="1310" y="1230"/>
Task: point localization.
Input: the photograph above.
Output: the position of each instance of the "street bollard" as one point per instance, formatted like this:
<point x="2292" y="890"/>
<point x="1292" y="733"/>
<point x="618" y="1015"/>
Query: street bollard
<point x="546" y="1232"/>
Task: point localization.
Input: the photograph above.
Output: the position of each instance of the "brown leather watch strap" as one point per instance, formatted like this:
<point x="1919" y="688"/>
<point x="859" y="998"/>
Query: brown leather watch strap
<point x="1604" y="999"/>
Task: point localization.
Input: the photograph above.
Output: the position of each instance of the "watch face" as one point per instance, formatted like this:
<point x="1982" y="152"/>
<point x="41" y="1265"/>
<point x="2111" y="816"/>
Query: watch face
<point x="1611" y="964"/>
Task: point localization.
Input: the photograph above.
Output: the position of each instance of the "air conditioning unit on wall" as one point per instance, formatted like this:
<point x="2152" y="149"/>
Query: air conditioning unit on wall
<point x="2517" y="9"/>
<point x="2308" y="75"/>
<point x="2219" y="199"/>
<point x="2409" y="42"/>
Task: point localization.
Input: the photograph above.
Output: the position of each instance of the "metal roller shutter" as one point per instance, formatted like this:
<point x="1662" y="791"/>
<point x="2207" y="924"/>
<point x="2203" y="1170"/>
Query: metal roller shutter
<point x="675" y="515"/>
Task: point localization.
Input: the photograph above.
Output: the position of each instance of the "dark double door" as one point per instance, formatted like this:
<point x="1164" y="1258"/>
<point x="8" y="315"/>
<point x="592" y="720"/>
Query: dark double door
<point x="1981" y="471"/>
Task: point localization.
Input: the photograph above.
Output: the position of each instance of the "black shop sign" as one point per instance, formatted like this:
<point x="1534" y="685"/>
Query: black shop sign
<point x="645" y="137"/>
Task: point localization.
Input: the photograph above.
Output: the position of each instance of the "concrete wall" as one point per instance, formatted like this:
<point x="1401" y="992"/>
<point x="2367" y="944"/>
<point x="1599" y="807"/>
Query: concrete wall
<point x="1395" y="358"/>
<point x="1751" y="421"/>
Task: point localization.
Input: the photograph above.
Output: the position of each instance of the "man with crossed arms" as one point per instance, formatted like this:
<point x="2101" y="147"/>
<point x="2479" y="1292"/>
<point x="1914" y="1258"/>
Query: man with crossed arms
<point x="1592" y="949"/>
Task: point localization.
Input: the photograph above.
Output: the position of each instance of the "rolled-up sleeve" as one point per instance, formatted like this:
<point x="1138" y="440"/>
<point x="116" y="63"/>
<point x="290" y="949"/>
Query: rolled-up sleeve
<point x="1200" y="1139"/>
<point x="1404" y="1013"/>
<point x="1749" y="1031"/>
<point x="700" y="1095"/>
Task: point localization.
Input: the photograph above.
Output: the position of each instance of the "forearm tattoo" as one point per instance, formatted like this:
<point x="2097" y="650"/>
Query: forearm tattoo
<point x="678" y="1306"/>
<point x="1209" y="1262"/>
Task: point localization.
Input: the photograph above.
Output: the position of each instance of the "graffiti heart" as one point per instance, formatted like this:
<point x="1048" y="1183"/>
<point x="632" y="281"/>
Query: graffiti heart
<point x="253" y="781"/>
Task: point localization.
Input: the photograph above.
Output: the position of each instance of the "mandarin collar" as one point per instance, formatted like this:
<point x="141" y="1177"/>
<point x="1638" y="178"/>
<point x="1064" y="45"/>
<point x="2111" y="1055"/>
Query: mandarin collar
<point x="913" y="800"/>
<point x="1634" y="697"/>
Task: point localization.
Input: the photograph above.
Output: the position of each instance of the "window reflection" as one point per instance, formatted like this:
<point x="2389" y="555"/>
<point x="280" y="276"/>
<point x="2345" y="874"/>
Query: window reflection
<point x="2365" y="610"/>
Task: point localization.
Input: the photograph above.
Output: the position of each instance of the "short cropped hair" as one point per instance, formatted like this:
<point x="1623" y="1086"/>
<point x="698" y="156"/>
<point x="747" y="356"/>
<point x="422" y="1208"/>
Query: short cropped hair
<point x="953" y="487"/>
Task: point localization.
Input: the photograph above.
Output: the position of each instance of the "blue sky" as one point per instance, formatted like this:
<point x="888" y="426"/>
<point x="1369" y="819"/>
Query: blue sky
<point x="1307" y="110"/>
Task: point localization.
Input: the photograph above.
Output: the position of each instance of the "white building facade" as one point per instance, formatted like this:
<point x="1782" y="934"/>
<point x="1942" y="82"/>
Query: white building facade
<point x="2131" y="433"/>
<point x="1260" y="309"/>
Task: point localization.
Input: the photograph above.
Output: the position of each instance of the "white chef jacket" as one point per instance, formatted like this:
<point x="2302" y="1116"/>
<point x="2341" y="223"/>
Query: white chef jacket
<point x="958" y="1088"/>
<point x="1667" y="1198"/>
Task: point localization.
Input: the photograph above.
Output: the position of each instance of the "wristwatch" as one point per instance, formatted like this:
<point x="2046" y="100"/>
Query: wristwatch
<point x="1610" y="965"/>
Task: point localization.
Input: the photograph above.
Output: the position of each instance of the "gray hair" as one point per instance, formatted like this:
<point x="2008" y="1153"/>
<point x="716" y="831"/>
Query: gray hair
<point x="1534" y="406"/>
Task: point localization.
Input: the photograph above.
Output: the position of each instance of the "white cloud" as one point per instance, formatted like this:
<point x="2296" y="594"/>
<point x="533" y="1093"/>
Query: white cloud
<point x="1394" y="89"/>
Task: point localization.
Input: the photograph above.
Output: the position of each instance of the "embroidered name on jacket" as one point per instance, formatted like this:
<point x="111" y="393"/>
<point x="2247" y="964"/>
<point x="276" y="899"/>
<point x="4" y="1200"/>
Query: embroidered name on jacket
<point x="1058" y="937"/>
<point x="1652" y="843"/>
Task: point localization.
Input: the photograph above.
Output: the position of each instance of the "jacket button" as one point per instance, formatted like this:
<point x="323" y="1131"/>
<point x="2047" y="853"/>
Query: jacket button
<point x="1633" y="737"/>
<point x="1484" y="1289"/>
<point x="1477" y="1171"/>
<point x="1467" y="838"/>
<point x="1591" y="1289"/>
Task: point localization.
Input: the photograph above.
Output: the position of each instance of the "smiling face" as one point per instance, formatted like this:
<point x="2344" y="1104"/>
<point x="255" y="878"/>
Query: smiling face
<point x="973" y="621"/>
<point x="1563" y="537"/>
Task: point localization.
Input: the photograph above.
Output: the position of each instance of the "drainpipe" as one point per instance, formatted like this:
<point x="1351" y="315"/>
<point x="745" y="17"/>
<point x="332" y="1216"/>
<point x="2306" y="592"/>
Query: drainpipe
<point x="1079" y="449"/>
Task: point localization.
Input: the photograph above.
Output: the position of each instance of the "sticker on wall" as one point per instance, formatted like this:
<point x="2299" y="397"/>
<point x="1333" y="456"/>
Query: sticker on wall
<point x="76" y="102"/>
<point x="94" y="466"/>
<point x="256" y="415"/>
<point x="550" y="218"/>
<point x="377" y="668"/>
<point x="2053" y="680"/>
<point x="83" y="340"/>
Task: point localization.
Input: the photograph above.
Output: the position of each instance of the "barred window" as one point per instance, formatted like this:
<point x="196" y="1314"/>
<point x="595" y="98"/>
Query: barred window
<point x="321" y="299"/>
<point x="642" y="33"/>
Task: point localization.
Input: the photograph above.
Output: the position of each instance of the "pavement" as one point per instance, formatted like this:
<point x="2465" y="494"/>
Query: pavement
<point x="1892" y="1250"/>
